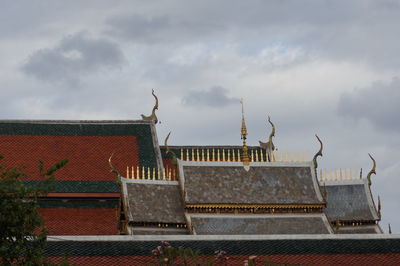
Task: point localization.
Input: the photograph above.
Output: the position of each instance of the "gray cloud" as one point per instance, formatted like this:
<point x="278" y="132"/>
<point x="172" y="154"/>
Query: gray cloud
<point x="213" y="97"/>
<point x="162" y="28"/>
<point x="73" y="57"/>
<point x="339" y="30"/>
<point x="379" y="104"/>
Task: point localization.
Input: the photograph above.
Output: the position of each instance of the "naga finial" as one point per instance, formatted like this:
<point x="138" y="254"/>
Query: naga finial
<point x="169" y="151"/>
<point x="243" y="133"/>
<point x="379" y="206"/>
<point x="113" y="170"/>
<point x="372" y="170"/>
<point x="153" y="116"/>
<point x="269" y="146"/>
<point x="319" y="153"/>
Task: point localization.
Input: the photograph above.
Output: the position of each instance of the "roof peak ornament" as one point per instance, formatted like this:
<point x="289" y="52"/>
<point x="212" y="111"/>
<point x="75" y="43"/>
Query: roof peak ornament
<point x="319" y="153"/>
<point x="373" y="170"/>
<point x="113" y="170"/>
<point x="379" y="206"/>
<point x="269" y="146"/>
<point x="243" y="134"/>
<point x="169" y="151"/>
<point x="153" y="116"/>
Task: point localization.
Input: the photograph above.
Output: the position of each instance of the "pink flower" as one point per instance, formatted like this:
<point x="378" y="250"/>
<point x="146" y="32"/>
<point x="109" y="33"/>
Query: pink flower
<point x="157" y="251"/>
<point x="165" y="244"/>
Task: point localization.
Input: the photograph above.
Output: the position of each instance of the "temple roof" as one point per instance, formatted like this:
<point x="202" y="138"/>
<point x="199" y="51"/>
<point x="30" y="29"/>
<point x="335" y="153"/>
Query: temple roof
<point x="268" y="249"/>
<point x="153" y="201"/>
<point x="86" y="144"/>
<point x="350" y="200"/>
<point x="232" y="224"/>
<point x="264" y="183"/>
<point x="80" y="221"/>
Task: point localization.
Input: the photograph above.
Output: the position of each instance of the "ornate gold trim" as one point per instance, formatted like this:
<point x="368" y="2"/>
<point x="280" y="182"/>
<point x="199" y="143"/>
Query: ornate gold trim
<point x="339" y="223"/>
<point x="260" y="206"/>
<point x="157" y="224"/>
<point x="254" y="208"/>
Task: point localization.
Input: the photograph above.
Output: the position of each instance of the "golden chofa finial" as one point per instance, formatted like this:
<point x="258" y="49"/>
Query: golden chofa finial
<point x="379" y="206"/>
<point x="243" y="133"/>
<point x="153" y="116"/>
<point x="319" y="153"/>
<point x="113" y="170"/>
<point x="169" y="151"/>
<point x="269" y="146"/>
<point x="372" y="170"/>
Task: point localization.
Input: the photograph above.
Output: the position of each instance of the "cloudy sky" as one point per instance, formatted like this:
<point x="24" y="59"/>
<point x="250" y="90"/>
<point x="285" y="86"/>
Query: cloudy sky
<point x="325" y="67"/>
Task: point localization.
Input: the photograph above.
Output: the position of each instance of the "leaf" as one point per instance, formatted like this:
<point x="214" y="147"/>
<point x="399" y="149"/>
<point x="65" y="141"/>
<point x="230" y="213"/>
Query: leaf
<point x="57" y="166"/>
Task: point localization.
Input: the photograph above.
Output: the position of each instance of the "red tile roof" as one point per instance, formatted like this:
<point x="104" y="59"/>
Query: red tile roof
<point x="87" y="155"/>
<point x="323" y="260"/>
<point x="80" y="221"/>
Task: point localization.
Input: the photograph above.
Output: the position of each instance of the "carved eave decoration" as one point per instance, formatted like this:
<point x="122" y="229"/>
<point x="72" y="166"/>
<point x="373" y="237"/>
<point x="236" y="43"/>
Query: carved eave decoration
<point x="157" y="224"/>
<point x="339" y="223"/>
<point x="254" y="208"/>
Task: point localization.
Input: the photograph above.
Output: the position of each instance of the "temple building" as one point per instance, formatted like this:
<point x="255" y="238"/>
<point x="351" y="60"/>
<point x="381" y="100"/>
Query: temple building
<point x="120" y="181"/>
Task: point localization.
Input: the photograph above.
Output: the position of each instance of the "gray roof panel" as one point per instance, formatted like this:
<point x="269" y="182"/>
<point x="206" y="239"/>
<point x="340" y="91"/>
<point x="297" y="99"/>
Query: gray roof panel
<point x="156" y="202"/>
<point x="239" y="225"/>
<point x="350" y="202"/>
<point x="215" y="184"/>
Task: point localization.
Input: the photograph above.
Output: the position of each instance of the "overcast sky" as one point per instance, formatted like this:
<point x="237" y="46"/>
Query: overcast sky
<point x="325" y="67"/>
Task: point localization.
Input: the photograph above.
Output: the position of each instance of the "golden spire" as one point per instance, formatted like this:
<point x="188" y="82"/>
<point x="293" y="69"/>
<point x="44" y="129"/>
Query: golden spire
<point x="245" y="155"/>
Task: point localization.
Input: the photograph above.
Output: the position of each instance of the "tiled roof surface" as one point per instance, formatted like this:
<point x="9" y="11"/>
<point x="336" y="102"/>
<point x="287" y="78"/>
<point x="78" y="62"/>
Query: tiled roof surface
<point x="82" y="186"/>
<point x="260" y="185"/>
<point x="86" y="144"/>
<point x="80" y="221"/>
<point x="361" y="229"/>
<point x="154" y="202"/>
<point x="87" y="155"/>
<point x="266" y="224"/>
<point x="81" y="203"/>
<point x="349" y="202"/>
<point x="290" y="251"/>
<point x="239" y="260"/>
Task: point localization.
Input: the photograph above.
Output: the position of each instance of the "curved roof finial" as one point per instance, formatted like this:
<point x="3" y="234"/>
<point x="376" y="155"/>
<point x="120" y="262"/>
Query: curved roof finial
<point x="243" y="133"/>
<point x="169" y="151"/>
<point x="153" y="116"/>
<point x="113" y="170"/>
<point x="372" y="170"/>
<point x="269" y="146"/>
<point x="319" y="153"/>
<point x="379" y="206"/>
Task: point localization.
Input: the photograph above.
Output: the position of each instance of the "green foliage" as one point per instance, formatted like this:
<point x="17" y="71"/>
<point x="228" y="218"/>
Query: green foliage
<point x="22" y="232"/>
